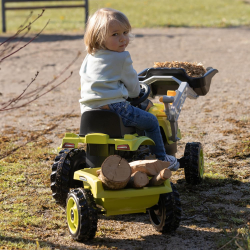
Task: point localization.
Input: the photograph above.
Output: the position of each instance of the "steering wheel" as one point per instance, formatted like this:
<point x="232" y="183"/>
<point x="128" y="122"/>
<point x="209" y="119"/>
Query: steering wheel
<point x="144" y="93"/>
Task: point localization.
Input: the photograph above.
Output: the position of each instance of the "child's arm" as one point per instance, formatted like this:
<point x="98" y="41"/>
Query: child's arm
<point x="129" y="78"/>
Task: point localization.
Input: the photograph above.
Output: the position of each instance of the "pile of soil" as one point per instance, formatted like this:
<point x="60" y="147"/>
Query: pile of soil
<point x="192" y="69"/>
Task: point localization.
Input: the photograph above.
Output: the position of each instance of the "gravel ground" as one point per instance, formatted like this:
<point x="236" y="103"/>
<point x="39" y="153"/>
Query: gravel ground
<point x="202" y="120"/>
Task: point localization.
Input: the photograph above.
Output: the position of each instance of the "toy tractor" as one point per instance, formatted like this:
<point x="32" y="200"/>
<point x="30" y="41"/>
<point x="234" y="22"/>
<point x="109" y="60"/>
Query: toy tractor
<point x="74" y="180"/>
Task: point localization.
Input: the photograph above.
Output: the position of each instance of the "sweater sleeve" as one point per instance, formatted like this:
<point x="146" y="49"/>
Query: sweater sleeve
<point x="129" y="78"/>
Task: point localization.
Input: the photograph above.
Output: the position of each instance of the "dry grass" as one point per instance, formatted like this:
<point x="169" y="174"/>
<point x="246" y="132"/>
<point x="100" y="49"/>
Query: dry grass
<point x="30" y="219"/>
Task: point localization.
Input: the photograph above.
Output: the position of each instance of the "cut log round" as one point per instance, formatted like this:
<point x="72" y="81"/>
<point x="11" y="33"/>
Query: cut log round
<point x="138" y="180"/>
<point x="150" y="167"/>
<point x="158" y="179"/>
<point x="115" y="172"/>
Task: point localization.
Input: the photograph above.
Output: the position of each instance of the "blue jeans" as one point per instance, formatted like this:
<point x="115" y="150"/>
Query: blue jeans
<point x="135" y="117"/>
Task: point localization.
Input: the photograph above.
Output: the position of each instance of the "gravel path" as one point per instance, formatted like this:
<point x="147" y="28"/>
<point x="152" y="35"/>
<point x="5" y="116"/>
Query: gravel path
<point x="204" y="119"/>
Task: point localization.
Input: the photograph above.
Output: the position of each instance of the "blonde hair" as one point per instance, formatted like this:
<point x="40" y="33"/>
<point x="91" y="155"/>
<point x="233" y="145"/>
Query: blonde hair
<point x="98" y="25"/>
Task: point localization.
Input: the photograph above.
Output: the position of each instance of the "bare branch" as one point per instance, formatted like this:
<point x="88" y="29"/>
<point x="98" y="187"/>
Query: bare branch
<point x="34" y="138"/>
<point x="15" y="100"/>
<point x="229" y="242"/>
<point x="38" y="96"/>
<point x="22" y="29"/>
<point x="240" y="248"/>
<point x="34" y="92"/>
<point x="28" y="27"/>
<point x="37" y="93"/>
<point x="25" y="44"/>
<point x="10" y="48"/>
<point x="32" y="95"/>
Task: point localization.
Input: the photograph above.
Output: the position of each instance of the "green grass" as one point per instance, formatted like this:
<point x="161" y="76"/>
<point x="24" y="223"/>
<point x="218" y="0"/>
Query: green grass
<point x="142" y="13"/>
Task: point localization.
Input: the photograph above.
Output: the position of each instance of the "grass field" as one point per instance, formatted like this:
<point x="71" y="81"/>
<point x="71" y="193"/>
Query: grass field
<point x="142" y="13"/>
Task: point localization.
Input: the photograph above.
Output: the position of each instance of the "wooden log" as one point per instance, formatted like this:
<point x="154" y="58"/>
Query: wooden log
<point x="98" y="172"/>
<point x="150" y="167"/>
<point x="115" y="172"/>
<point x="158" y="179"/>
<point x="138" y="180"/>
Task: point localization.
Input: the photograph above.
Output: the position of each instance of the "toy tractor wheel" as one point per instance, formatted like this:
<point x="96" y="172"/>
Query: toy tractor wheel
<point x="81" y="213"/>
<point x="63" y="168"/>
<point x="194" y="163"/>
<point x="166" y="215"/>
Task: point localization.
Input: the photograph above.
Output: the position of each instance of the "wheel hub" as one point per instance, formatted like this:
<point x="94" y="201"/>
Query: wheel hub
<point x="72" y="215"/>
<point x="157" y="212"/>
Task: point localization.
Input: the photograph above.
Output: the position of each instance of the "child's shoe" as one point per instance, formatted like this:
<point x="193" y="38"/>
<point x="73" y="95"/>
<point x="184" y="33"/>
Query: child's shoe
<point x="174" y="164"/>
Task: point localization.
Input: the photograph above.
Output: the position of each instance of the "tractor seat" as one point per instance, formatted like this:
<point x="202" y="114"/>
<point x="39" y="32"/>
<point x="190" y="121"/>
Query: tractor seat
<point x="104" y="121"/>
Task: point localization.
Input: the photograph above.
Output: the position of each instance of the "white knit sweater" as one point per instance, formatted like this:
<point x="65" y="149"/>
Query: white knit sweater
<point x="107" y="77"/>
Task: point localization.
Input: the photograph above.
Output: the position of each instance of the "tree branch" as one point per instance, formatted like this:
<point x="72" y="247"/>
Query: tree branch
<point x="15" y="100"/>
<point x="25" y="44"/>
<point x="37" y="92"/>
<point x="36" y="137"/>
<point x="22" y="29"/>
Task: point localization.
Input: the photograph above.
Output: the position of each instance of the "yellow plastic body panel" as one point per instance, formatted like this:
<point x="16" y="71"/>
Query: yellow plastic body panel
<point x="97" y="138"/>
<point x="158" y="111"/>
<point x="124" y="201"/>
<point x="133" y="141"/>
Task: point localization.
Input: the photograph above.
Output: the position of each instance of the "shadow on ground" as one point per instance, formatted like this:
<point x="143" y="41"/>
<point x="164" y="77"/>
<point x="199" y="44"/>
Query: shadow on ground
<point x="64" y="37"/>
<point x="156" y="241"/>
<point x="45" y="38"/>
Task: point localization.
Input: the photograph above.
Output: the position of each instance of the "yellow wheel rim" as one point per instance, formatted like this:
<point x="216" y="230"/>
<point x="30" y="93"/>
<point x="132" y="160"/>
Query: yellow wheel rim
<point x="72" y="215"/>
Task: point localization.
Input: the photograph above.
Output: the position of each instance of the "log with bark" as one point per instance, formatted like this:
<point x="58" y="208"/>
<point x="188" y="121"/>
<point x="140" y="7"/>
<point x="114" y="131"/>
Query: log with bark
<point x="98" y="172"/>
<point x="115" y="172"/>
<point x="158" y="179"/>
<point x="138" y="180"/>
<point x="150" y="167"/>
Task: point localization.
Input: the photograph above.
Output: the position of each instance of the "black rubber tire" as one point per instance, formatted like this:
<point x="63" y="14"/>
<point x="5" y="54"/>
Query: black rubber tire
<point x="194" y="163"/>
<point x="81" y="212"/>
<point x="166" y="215"/>
<point x="63" y="168"/>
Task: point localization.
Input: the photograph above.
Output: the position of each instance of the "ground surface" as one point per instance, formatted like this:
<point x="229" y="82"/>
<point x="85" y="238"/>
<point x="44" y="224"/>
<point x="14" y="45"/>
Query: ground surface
<point x="220" y="121"/>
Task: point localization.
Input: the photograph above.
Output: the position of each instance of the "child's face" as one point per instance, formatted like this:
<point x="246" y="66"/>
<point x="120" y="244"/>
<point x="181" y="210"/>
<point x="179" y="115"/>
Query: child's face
<point x="117" y="38"/>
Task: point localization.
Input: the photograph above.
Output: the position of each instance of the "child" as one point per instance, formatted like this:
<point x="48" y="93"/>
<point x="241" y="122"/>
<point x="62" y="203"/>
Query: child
<point x="108" y="77"/>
